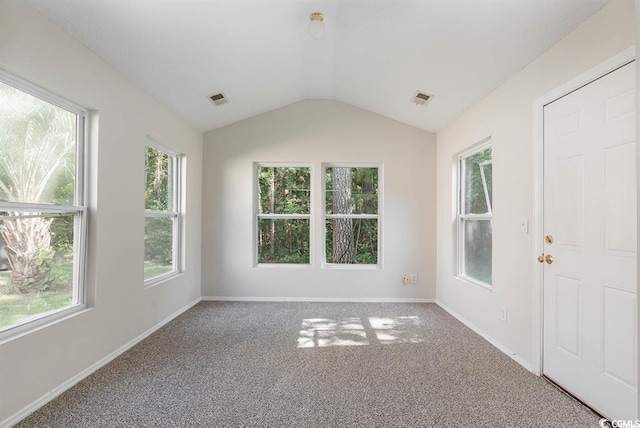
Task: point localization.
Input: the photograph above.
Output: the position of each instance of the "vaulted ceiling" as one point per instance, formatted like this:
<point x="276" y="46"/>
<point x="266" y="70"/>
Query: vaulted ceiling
<point x="375" y="54"/>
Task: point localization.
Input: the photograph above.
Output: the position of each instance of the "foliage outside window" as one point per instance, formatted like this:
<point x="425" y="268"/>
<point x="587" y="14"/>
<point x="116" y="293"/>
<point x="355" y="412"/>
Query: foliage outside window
<point x="162" y="213"/>
<point x="283" y="214"/>
<point x="475" y="192"/>
<point x="351" y="215"/>
<point x="42" y="211"/>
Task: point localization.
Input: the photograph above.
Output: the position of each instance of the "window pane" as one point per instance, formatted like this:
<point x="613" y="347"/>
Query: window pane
<point x="284" y="190"/>
<point x="352" y="241"/>
<point x="351" y="190"/>
<point x="477" y="249"/>
<point x="36" y="264"/>
<point x="158" y="246"/>
<point x="159" y="180"/>
<point x="37" y="149"/>
<point x="474" y="199"/>
<point x="283" y="241"/>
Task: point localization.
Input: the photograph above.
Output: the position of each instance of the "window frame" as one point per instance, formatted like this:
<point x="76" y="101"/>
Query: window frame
<point x="257" y="216"/>
<point x="378" y="217"/>
<point x="177" y="214"/>
<point x="461" y="217"/>
<point x="79" y="210"/>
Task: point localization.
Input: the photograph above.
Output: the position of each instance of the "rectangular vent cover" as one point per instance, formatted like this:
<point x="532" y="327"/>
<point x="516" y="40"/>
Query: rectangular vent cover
<point x="219" y="99"/>
<point x="421" y="98"/>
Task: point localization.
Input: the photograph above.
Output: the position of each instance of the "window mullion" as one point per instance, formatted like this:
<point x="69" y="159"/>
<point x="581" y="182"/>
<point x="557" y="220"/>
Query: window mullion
<point x="38" y="207"/>
<point x="354" y="216"/>
<point x="487" y="216"/>
<point x="284" y="216"/>
<point x="152" y="213"/>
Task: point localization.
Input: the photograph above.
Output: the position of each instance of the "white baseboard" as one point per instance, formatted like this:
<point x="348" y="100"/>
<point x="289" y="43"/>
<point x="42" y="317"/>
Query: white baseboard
<point x="317" y="299"/>
<point x="26" y="411"/>
<point x="515" y="357"/>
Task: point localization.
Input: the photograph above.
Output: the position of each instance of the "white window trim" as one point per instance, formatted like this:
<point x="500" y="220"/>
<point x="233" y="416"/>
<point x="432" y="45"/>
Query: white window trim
<point x="461" y="217"/>
<point x="79" y="211"/>
<point x="379" y="216"/>
<point x="177" y="214"/>
<point x="257" y="217"/>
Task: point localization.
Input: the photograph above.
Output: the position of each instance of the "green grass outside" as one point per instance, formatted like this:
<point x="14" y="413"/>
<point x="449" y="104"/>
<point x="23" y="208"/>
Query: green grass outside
<point x="151" y="269"/>
<point x="16" y="307"/>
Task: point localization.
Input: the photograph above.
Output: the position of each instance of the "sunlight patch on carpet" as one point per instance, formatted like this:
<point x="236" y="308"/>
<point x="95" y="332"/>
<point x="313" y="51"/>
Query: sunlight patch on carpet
<point x="324" y="332"/>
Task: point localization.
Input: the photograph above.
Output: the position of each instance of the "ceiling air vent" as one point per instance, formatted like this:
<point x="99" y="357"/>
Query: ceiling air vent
<point x="219" y="99"/>
<point x="421" y="99"/>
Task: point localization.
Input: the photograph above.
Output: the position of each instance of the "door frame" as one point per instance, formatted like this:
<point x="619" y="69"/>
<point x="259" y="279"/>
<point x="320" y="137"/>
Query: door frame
<point x="613" y="63"/>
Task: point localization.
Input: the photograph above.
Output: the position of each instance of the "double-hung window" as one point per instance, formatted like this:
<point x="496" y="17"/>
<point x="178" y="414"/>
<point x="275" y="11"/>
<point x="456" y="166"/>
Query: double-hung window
<point x="351" y="214"/>
<point x="283" y="214"/>
<point x="475" y="196"/>
<point x="163" y="218"/>
<point x="42" y="205"/>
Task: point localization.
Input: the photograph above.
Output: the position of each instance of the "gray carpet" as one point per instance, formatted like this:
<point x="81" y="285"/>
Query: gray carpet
<point x="313" y="365"/>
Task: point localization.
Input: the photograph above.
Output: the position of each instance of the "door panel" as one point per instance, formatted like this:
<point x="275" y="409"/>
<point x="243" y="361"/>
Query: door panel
<point x="619" y="344"/>
<point x="568" y="314"/>
<point x="569" y="201"/>
<point x="620" y="105"/>
<point x="619" y="205"/>
<point x="590" y="289"/>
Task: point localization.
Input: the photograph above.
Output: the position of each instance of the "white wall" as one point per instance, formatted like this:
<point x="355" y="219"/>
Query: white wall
<point x="32" y="365"/>
<point x="316" y="132"/>
<point x="506" y="115"/>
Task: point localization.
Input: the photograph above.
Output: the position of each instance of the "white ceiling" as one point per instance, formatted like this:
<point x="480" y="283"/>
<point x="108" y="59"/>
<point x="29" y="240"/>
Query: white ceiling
<point x="375" y="54"/>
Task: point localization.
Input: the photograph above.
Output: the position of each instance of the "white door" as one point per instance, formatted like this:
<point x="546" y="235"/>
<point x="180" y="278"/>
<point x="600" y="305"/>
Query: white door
<point x="590" y="288"/>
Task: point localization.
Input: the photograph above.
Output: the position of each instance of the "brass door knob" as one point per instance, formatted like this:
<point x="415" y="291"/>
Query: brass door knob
<point x="545" y="258"/>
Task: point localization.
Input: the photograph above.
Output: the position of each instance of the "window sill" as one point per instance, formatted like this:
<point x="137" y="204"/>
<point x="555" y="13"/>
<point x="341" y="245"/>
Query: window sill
<point x="41" y="321"/>
<point x="156" y="280"/>
<point x="474" y="282"/>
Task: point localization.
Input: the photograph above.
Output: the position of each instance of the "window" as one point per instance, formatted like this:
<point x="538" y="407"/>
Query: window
<point x="475" y="214"/>
<point x="162" y="229"/>
<point x="351" y="215"/>
<point x="283" y="214"/>
<point x="42" y="206"/>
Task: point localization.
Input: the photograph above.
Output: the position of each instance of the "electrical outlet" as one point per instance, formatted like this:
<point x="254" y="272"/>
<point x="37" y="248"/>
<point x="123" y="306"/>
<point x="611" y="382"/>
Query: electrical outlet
<point x="414" y="278"/>
<point x="406" y="280"/>
<point x="503" y="314"/>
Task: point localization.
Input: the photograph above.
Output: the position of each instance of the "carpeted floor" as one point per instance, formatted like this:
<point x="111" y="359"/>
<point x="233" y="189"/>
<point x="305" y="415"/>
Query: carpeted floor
<point x="313" y="365"/>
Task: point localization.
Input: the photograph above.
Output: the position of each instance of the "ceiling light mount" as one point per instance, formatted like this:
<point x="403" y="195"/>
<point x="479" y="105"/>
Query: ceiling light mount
<point x="316" y="25"/>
